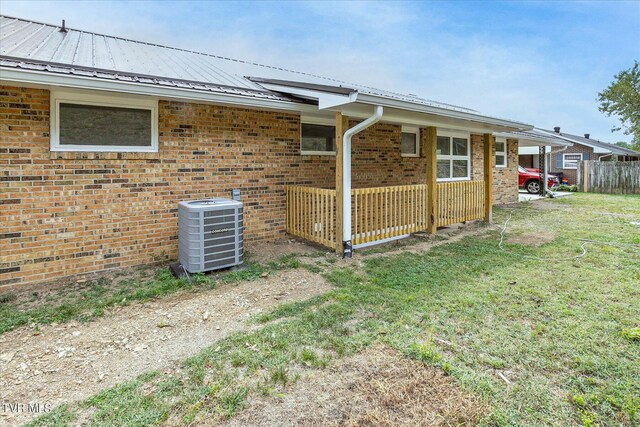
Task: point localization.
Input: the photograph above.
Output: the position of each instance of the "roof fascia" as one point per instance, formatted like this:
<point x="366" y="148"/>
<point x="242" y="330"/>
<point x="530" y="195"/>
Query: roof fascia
<point x="403" y="105"/>
<point x="542" y="141"/>
<point x="329" y="98"/>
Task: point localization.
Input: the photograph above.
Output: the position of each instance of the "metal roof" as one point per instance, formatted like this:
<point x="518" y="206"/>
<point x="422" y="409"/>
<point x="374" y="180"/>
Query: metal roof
<point x="614" y="149"/>
<point x="34" y="46"/>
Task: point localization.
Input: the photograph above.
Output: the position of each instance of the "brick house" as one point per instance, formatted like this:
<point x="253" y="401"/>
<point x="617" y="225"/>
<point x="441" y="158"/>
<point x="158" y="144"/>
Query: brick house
<point x="564" y="162"/>
<point x="101" y="137"/>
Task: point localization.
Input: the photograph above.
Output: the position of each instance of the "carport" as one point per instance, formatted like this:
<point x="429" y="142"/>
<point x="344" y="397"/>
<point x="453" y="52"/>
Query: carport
<point x="541" y="144"/>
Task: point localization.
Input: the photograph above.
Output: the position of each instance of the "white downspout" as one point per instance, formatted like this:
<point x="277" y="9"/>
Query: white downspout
<point x="346" y="177"/>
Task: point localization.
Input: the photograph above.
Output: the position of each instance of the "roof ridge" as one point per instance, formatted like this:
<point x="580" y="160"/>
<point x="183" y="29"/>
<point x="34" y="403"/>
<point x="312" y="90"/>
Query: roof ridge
<point x="586" y="141"/>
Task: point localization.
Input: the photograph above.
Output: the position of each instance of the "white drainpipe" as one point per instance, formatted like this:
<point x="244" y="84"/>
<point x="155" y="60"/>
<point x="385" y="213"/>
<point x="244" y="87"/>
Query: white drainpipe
<point x="346" y="177"/>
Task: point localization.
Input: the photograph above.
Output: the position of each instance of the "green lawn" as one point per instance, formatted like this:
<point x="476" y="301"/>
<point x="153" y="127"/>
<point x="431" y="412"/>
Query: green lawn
<point x="564" y="331"/>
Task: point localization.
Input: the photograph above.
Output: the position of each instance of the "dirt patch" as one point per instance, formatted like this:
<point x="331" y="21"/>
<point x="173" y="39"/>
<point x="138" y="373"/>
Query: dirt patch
<point x="377" y="387"/>
<point x="264" y="253"/>
<point x="538" y="238"/>
<point x="549" y="204"/>
<point x="422" y="242"/>
<point x="72" y="361"/>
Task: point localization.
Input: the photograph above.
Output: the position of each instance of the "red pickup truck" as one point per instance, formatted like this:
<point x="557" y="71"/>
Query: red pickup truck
<point x="529" y="179"/>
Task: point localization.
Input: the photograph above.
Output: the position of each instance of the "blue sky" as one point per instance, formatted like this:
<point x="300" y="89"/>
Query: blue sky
<point x="538" y="62"/>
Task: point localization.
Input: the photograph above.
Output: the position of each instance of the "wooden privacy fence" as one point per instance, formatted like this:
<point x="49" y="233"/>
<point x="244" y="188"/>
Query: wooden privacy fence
<point x="383" y="212"/>
<point x="311" y="214"/>
<point x="459" y="201"/>
<point x="610" y="177"/>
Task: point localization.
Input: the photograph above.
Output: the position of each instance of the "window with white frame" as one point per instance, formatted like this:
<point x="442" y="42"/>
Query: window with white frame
<point x="453" y="158"/>
<point x="501" y="153"/>
<point x="570" y="161"/>
<point x="107" y="123"/>
<point x="410" y="144"/>
<point x="317" y="138"/>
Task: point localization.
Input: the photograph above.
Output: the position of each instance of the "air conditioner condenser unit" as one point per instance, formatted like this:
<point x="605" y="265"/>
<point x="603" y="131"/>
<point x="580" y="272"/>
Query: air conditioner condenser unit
<point x="210" y="234"/>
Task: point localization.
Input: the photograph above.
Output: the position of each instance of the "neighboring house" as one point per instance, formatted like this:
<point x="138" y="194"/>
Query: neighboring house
<point x="564" y="163"/>
<point x="101" y="137"/>
<point x="535" y="149"/>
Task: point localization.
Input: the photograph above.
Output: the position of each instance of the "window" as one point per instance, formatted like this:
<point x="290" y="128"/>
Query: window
<point x="571" y="161"/>
<point x="317" y="139"/>
<point x="96" y="122"/>
<point x="501" y="153"/>
<point x="453" y="158"/>
<point x="410" y="146"/>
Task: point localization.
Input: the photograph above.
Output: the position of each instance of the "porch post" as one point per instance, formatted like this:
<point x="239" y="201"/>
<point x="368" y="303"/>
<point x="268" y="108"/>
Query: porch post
<point x="488" y="176"/>
<point x="429" y="147"/>
<point x="342" y="123"/>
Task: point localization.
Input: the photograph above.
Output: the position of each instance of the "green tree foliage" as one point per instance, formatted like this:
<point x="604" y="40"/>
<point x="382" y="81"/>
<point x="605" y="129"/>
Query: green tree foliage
<point x="622" y="98"/>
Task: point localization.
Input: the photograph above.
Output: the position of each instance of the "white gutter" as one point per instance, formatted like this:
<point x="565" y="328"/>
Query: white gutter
<point x="331" y="100"/>
<point x="439" y="111"/>
<point x="346" y="177"/>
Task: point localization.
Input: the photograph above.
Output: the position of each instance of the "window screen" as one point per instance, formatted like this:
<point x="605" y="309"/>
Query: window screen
<point x="104" y="126"/>
<point x="409" y="144"/>
<point x="318" y="138"/>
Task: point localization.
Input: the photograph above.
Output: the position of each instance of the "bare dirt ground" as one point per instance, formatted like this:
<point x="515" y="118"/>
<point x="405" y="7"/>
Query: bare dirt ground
<point x="263" y="253"/>
<point x="377" y="387"/>
<point x="533" y="239"/>
<point x="72" y="361"/>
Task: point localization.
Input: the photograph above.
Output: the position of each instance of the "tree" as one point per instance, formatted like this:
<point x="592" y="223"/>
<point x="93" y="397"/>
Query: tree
<point x="623" y="144"/>
<point x="622" y="98"/>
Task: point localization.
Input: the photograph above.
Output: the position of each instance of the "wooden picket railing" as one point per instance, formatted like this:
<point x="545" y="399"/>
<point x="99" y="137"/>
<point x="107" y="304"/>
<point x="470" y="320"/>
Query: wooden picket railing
<point x="311" y="214"/>
<point x="459" y="201"/>
<point x="384" y="212"/>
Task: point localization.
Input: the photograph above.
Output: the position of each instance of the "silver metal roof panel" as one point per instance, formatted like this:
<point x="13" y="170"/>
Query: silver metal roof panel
<point x="28" y="45"/>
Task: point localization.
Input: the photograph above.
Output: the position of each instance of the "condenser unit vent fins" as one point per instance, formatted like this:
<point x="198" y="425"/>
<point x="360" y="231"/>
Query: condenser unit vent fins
<point x="210" y="234"/>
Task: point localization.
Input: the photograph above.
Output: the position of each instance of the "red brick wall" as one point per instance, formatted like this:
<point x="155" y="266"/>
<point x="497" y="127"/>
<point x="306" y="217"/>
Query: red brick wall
<point x="71" y="213"/>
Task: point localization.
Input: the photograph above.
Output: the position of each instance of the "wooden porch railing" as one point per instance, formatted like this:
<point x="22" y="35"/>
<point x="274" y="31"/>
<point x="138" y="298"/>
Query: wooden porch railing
<point x="384" y="212"/>
<point x="459" y="201"/>
<point x="311" y="214"/>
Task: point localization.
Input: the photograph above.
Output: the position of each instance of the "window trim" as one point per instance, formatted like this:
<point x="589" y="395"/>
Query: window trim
<point x="564" y="160"/>
<point x="503" y="153"/>
<point x="416" y="132"/>
<point x="316" y="121"/>
<point x="452" y="157"/>
<point x="102" y="100"/>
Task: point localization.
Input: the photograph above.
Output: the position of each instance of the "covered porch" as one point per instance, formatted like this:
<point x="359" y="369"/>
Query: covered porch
<point x="378" y="214"/>
<point x="376" y="203"/>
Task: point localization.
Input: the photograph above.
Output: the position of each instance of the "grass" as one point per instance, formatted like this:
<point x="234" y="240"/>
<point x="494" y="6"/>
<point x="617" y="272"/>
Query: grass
<point x="94" y="298"/>
<point x="561" y="328"/>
